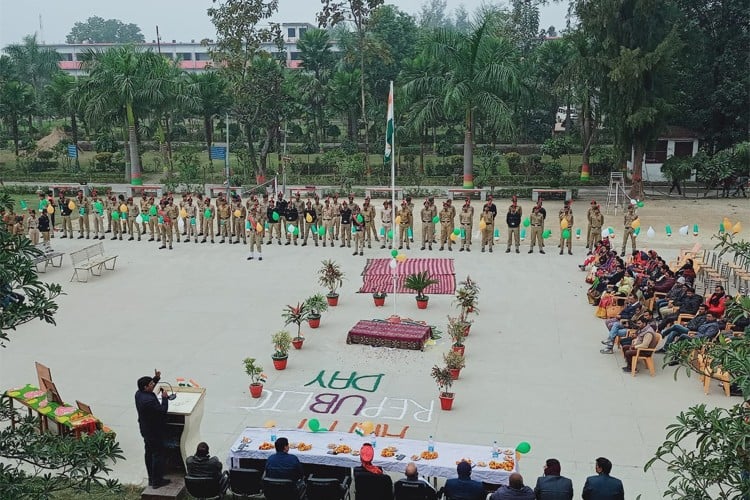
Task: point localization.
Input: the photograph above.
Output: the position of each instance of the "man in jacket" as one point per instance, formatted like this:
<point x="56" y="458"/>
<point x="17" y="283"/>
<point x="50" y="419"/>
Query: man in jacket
<point x="202" y="464"/>
<point x="603" y="486"/>
<point x="152" y="420"/>
<point x="706" y="331"/>
<point x="553" y="486"/>
<point x="514" y="490"/>
<point x="463" y="487"/>
<point x="673" y="332"/>
<point x="645" y="339"/>
<point x="282" y="465"/>
<point x="513" y="220"/>
<point x="689" y="304"/>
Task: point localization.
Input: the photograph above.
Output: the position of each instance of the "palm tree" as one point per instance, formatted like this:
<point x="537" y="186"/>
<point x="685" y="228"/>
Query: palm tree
<point x="63" y="95"/>
<point x="16" y="101"/>
<point x="345" y="99"/>
<point x="476" y="71"/>
<point x="317" y="58"/>
<point x="212" y="99"/>
<point x="34" y="65"/>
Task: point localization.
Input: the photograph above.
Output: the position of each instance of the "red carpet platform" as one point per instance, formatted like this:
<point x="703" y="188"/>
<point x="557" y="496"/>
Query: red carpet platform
<point x="378" y="277"/>
<point x="380" y="333"/>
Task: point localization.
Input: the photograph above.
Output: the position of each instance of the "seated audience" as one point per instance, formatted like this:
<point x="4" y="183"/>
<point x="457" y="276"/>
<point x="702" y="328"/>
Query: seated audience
<point x="202" y="464"/>
<point x="553" y="486"/>
<point x="603" y="486"/>
<point x="707" y="331"/>
<point x="717" y="302"/>
<point x="515" y="489"/>
<point x="645" y="338"/>
<point x="366" y="454"/>
<point x="689" y="304"/>
<point x="687" y="271"/>
<point x="674" y="331"/>
<point x="282" y="465"/>
<point x="463" y="487"/>
<point x="411" y="474"/>
<point x="674" y="295"/>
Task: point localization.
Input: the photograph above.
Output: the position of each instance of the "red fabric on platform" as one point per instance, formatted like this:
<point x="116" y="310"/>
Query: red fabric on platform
<point x="385" y="334"/>
<point x="378" y="277"/>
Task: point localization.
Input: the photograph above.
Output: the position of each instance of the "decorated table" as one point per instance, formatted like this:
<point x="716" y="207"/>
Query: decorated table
<point x="401" y="335"/>
<point x="342" y="449"/>
<point x="69" y="420"/>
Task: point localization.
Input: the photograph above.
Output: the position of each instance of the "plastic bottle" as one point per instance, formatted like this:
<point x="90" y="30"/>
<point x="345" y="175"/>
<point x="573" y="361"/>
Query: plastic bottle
<point x="273" y="434"/>
<point x="430" y="445"/>
<point x="372" y="440"/>
<point x="495" y="452"/>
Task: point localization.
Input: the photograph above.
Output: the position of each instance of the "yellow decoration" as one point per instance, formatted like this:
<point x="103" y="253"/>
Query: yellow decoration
<point x="259" y="227"/>
<point x="45" y="410"/>
<point x="50" y="209"/>
<point x="367" y="426"/>
<point x="737" y="228"/>
<point x="237" y="213"/>
<point x="727" y="223"/>
<point x="401" y="258"/>
<point x="183" y="213"/>
<point x="635" y="224"/>
<point x="482" y="224"/>
<point x="124" y="208"/>
<point x="72" y="205"/>
<point x="454" y="238"/>
<point x="269" y="424"/>
<point x="63" y="419"/>
<point x="308" y="218"/>
<point x="398" y="221"/>
<point x="564" y="224"/>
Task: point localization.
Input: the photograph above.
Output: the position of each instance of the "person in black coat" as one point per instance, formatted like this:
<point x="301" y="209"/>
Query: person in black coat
<point x="603" y="486"/>
<point x="553" y="486"/>
<point x="464" y="487"/>
<point x="152" y="420"/>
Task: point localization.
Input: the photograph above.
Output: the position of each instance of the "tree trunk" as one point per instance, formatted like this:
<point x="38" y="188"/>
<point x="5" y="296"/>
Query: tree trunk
<point x="264" y="149"/>
<point x="135" y="160"/>
<point x="362" y="98"/>
<point x="251" y="146"/>
<point x="636" y="189"/>
<point x="468" y="153"/>
<point x="208" y="128"/>
<point x="14" y="132"/>
<point x="168" y="137"/>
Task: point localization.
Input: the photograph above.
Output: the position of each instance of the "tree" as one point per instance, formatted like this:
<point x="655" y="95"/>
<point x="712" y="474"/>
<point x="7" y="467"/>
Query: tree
<point x="34" y="64"/>
<point x="98" y="30"/>
<point x="16" y="101"/>
<point x="432" y="14"/>
<point x="64" y="98"/>
<point x="472" y="72"/>
<point x="315" y="51"/>
<point x="211" y="91"/>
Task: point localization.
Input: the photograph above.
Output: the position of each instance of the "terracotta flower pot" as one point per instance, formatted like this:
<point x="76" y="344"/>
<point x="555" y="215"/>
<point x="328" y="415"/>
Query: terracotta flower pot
<point x="280" y="364"/>
<point x="446" y="403"/>
<point x="333" y="299"/>
<point x="297" y="342"/>
<point x="455" y="372"/>
<point x="256" y="390"/>
<point x="379" y="301"/>
<point x="459" y="349"/>
<point x="422" y="303"/>
<point x="313" y="321"/>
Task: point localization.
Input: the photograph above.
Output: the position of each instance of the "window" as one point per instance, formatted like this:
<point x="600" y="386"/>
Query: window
<point x="656" y="152"/>
<point x="296" y="56"/>
<point x="291" y="32"/>
<point x="683" y="149"/>
<point x="67" y="57"/>
<point x="185" y="56"/>
<point x="302" y="32"/>
<point x="202" y="56"/>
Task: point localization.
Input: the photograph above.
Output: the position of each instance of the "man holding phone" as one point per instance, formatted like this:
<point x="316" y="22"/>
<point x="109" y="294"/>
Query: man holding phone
<point x="152" y="420"/>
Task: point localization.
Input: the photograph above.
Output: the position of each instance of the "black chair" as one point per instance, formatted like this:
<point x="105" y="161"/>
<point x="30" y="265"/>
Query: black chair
<point x="203" y="487"/>
<point x="322" y="470"/>
<point x="369" y="486"/>
<point x="245" y="481"/>
<point x="327" y="488"/>
<point x="413" y="490"/>
<point x="281" y="489"/>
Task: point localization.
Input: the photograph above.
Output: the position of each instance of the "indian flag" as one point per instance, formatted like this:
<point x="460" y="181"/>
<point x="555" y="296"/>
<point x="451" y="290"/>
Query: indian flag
<point x="389" y="128"/>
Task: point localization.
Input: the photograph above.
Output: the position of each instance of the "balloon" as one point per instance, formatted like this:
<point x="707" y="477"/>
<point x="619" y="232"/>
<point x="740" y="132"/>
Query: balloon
<point x="368" y="427"/>
<point x="398" y="219"/>
<point x="578" y="233"/>
<point x="401" y="258"/>
<point x="314" y="424"/>
<point x="354" y="230"/>
<point x="115" y="215"/>
<point x="605" y="233"/>
<point x="296" y="231"/>
<point x="23" y="205"/>
<point x="409" y="233"/>
<point x="610" y="230"/>
<point x="390" y="234"/>
<point x="321" y="231"/>
<point x="721" y="228"/>
<point x="523" y="447"/>
<point x="266" y="225"/>
<point x="637" y="231"/>
<point x="636" y="224"/>
<point x="668" y="229"/>
<point x="50" y="209"/>
<point x="82" y="211"/>
<point x="526" y="222"/>
<point x="523" y="234"/>
<point x="633" y="201"/>
<point x="152" y="210"/>
<point x="360" y="219"/>
<point x="435" y="219"/>
<point x="269" y="424"/>
<point x="727" y="224"/>
<point x="454" y="238"/>
<point x="457" y="231"/>
<point x="497" y="233"/>
<point x="392" y="264"/>
<point x="160" y="220"/>
<point x="566" y="234"/>
<point x="275" y="216"/>
<point x="183" y="213"/>
<point x="695" y="229"/>
<point x="394" y="252"/>
<point x="139" y="219"/>
<point x="237" y="213"/>
<point x="482" y="224"/>
<point x="98" y="206"/>
<point x="247" y="225"/>
<point x="684" y="230"/>
<point x="640" y="204"/>
<point x="737" y="228"/>
<point x="564" y="224"/>
<point x="180" y="225"/>
<point x="145" y="217"/>
<point x="308" y="218"/>
<point x="124" y="208"/>
<point x="258" y="228"/>
<point x="290" y="228"/>
<point x="72" y="205"/>
<point x="650" y="233"/>
<point x="207" y="213"/>
<point x="43" y="204"/>
<point x="547" y="233"/>
<point x="382" y="231"/>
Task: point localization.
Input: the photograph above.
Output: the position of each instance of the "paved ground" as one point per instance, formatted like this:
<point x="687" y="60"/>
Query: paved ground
<point x="534" y="372"/>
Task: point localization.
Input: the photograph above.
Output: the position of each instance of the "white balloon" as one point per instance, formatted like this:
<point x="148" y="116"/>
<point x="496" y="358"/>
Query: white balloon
<point x="180" y="225"/>
<point x="392" y="264"/>
<point x="684" y="230"/>
<point x="650" y="233"/>
<point x="139" y="219"/>
<point x="633" y="201"/>
<point x="290" y="228"/>
<point x="605" y="232"/>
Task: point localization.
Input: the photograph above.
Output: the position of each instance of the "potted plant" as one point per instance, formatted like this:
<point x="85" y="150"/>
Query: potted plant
<point x="454" y="362"/>
<point x="281" y="342"/>
<point x="467" y="297"/>
<point x="444" y="381"/>
<point x="257" y="377"/>
<point x="331" y="276"/>
<point x="295" y="315"/>
<point x="379" y="298"/>
<point x="418" y="282"/>
<point x="457" y="331"/>
<point x="315" y="304"/>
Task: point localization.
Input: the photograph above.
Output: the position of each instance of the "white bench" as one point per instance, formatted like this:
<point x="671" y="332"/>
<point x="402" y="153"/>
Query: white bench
<point x="47" y="258"/>
<point x="91" y="260"/>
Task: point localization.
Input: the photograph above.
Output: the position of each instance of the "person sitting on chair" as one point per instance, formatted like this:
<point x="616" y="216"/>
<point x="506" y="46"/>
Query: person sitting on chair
<point x="463" y="487"/>
<point x="366" y="454"/>
<point x="412" y="476"/>
<point x="514" y="489"/>
<point x="553" y="486"/>
<point x="202" y="464"/>
<point x="282" y="465"/>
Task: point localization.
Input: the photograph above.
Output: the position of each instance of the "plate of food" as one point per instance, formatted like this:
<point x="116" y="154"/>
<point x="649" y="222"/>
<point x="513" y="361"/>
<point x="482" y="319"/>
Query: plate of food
<point x="342" y="448"/>
<point x="429" y="455"/>
<point x="388" y="452"/>
<point x="265" y="445"/>
<point x="467" y="460"/>
<point x="416" y="458"/>
<point x="304" y="447"/>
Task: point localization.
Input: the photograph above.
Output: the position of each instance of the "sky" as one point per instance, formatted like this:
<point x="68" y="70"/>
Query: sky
<point x="181" y="20"/>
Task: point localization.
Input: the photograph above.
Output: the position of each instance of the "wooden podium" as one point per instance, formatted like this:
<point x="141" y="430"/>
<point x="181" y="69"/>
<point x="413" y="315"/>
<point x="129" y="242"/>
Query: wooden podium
<point x="183" y="425"/>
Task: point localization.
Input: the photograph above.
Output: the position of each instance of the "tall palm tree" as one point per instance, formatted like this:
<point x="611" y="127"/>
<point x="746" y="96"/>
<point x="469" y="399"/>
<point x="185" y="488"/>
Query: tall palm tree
<point x="16" y="101"/>
<point x="35" y="65"/>
<point x="318" y="59"/>
<point x="345" y="98"/>
<point x="63" y="96"/>
<point x="476" y="71"/>
<point x="212" y="99"/>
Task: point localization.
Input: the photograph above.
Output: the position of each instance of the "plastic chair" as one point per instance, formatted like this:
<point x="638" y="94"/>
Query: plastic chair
<point x="413" y="490"/>
<point x="648" y="359"/>
<point x="203" y="487"/>
<point x="327" y="488"/>
<point x="369" y="486"/>
<point x="245" y="481"/>
<point x="281" y="489"/>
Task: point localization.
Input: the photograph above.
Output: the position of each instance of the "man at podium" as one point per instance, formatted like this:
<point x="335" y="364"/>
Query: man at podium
<point x="152" y="419"/>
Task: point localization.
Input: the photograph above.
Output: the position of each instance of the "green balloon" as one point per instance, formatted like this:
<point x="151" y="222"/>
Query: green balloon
<point x="639" y="204"/>
<point x="161" y="220"/>
<point x="523" y="447"/>
<point x="115" y="215"/>
<point x="296" y="231"/>
<point x="152" y="210"/>
<point x="547" y="233"/>
<point x="145" y="217"/>
<point x="23" y="205"/>
<point x="207" y="214"/>
<point x="526" y="222"/>
<point x="390" y="234"/>
<point x="721" y="227"/>
<point x="360" y="219"/>
<point x="435" y="219"/>
<point x="321" y="231"/>
<point x="409" y="233"/>
<point x="394" y="253"/>
<point x="457" y="231"/>
<point x="275" y="216"/>
<point x="566" y="234"/>
<point x="314" y="424"/>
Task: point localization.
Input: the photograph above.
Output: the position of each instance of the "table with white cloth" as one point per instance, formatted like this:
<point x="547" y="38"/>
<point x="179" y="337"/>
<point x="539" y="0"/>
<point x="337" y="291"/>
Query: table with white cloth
<point x="248" y="443"/>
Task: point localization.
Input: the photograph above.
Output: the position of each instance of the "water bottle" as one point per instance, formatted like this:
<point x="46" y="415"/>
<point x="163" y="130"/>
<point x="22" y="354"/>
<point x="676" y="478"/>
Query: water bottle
<point x="495" y="452"/>
<point x="372" y="439"/>
<point x="430" y="445"/>
<point x="273" y="434"/>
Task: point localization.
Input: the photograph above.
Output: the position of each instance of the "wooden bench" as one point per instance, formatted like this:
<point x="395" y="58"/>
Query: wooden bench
<point x="308" y="190"/>
<point x="213" y="191"/>
<point x="536" y="192"/>
<point x="136" y="191"/>
<point x="480" y="194"/>
<point x="47" y="258"/>
<point x="385" y="191"/>
<point x="91" y="260"/>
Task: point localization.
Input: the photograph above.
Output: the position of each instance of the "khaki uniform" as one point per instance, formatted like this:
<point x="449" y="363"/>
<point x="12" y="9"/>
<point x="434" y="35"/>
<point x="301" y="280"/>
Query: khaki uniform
<point x="84" y="210"/>
<point x="446" y="227"/>
<point x="410" y="231"/>
<point x="404" y="225"/>
<point x="433" y="214"/>
<point x="536" y="228"/>
<point x="117" y="225"/>
<point x="200" y="206"/>
<point x="569" y="240"/>
<point x="329" y="213"/>
<point x="108" y="205"/>
<point x="225" y="222"/>
<point x="238" y="222"/>
<point x="386" y="222"/>
<point x="428" y="227"/>
<point x="254" y="216"/>
<point x="489" y="229"/>
<point x="33" y="224"/>
<point x="98" y="222"/>
<point x="358" y="229"/>
<point x="144" y="206"/>
<point x="594" y="233"/>
<point x="133" y="212"/>
<point x="191" y="222"/>
<point x="153" y="226"/>
<point x="466" y="218"/>
<point x="336" y="218"/>
<point x="628" y="231"/>
<point x="368" y="212"/>
<point x="208" y="222"/>
<point x="168" y="227"/>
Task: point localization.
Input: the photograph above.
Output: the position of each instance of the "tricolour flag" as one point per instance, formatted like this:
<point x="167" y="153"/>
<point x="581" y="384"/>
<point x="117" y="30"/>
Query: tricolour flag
<point x="389" y="128"/>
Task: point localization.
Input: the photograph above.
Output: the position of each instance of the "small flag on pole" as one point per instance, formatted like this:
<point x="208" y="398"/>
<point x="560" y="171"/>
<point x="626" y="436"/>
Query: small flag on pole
<point x="389" y="128"/>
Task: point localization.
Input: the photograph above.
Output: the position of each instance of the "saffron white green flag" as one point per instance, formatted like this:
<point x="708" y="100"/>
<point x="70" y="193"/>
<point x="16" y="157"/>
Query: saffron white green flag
<point x="389" y="128"/>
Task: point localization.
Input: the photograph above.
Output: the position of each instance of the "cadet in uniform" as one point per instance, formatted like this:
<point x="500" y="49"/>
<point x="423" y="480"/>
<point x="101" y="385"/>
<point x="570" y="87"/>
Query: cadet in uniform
<point x="208" y="229"/>
<point x="297" y="202"/>
<point x="446" y="225"/>
<point x="596" y="221"/>
<point x="433" y="213"/>
<point x="281" y="208"/>
<point x="410" y="231"/>
<point x="292" y="219"/>
<point x="513" y="220"/>
<point x="368" y="212"/>
<point x="466" y="219"/>
<point x="240" y="214"/>
<point x="274" y="225"/>
<point x="489" y="227"/>
<point x="153" y="228"/>
<point x="254" y="216"/>
<point x="567" y="216"/>
<point x="200" y="206"/>
<point x="629" y="230"/>
<point x="428" y="227"/>
<point x="329" y="212"/>
<point x="33" y="224"/>
<point x="143" y="206"/>
<point x="358" y="228"/>
<point x="169" y="217"/>
<point x="311" y="223"/>
<point x="537" y="226"/>
<point x="97" y="215"/>
<point x="404" y="225"/>
<point x="336" y="217"/>
<point x="65" y="212"/>
<point x="224" y="221"/>
<point x="84" y="209"/>
<point x="191" y="220"/>
<point x="133" y="212"/>
<point x="346" y="224"/>
<point x="386" y="221"/>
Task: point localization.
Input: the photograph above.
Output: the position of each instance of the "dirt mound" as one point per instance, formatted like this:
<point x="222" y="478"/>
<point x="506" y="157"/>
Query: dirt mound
<point x="48" y="142"/>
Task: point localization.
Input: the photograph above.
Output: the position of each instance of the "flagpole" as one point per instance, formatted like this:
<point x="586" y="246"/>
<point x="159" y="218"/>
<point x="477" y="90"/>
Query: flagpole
<point x="393" y="194"/>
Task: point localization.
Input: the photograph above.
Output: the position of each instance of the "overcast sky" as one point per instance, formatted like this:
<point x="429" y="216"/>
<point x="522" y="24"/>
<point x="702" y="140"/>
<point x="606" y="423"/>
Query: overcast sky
<point x="181" y="20"/>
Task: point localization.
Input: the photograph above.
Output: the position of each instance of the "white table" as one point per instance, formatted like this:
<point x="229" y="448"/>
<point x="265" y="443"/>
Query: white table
<point x="443" y="466"/>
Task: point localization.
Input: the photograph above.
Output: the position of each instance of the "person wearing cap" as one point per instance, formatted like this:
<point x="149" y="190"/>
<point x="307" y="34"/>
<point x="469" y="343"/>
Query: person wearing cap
<point x="225" y="214"/>
<point x="368" y="212"/>
<point x="352" y="203"/>
<point x="345" y="214"/>
<point x="328" y="215"/>
<point x="466" y="219"/>
<point x="152" y="422"/>
<point x="239" y="215"/>
<point x="493" y="208"/>
<point x="537" y="226"/>
<point x="133" y="212"/>
<point x="253" y="217"/>
<point x="283" y="465"/>
<point x="446" y="225"/>
<point x="542" y="210"/>
<point x="553" y="486"/>
<point x="566" y="216"/>
<point x="596" y="222"/>
<point x="191" y="212"/>
<point x="366" y="456"/>
<point x="386" y="222"/>
<point x="310" y="216"/>
<point x="274" y="224"/>
<point x="143" y="207"/>
<point x="629" y="230"/>
<point x="208" y="220"/>
<point x="489" y="227"/>
<point x="84" y="211"/>
<point x="97" y="216"/>
<point x="358" y="229"/>
<point x="292" y="219"/>
<point x="281" y="208"/>
<point x="434" y="214"/>
<point x="513" y="221"/>
<point x="404" y="225"/>
<point x="464" y="487"/>
<point x="410" y="230"/>
<point x="300" y="205"/>
<point x="428" y="227"/>
<point x="336" y="216"/>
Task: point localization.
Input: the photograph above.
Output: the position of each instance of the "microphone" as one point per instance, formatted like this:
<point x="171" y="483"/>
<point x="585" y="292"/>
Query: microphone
<point x="172" y="396"/>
